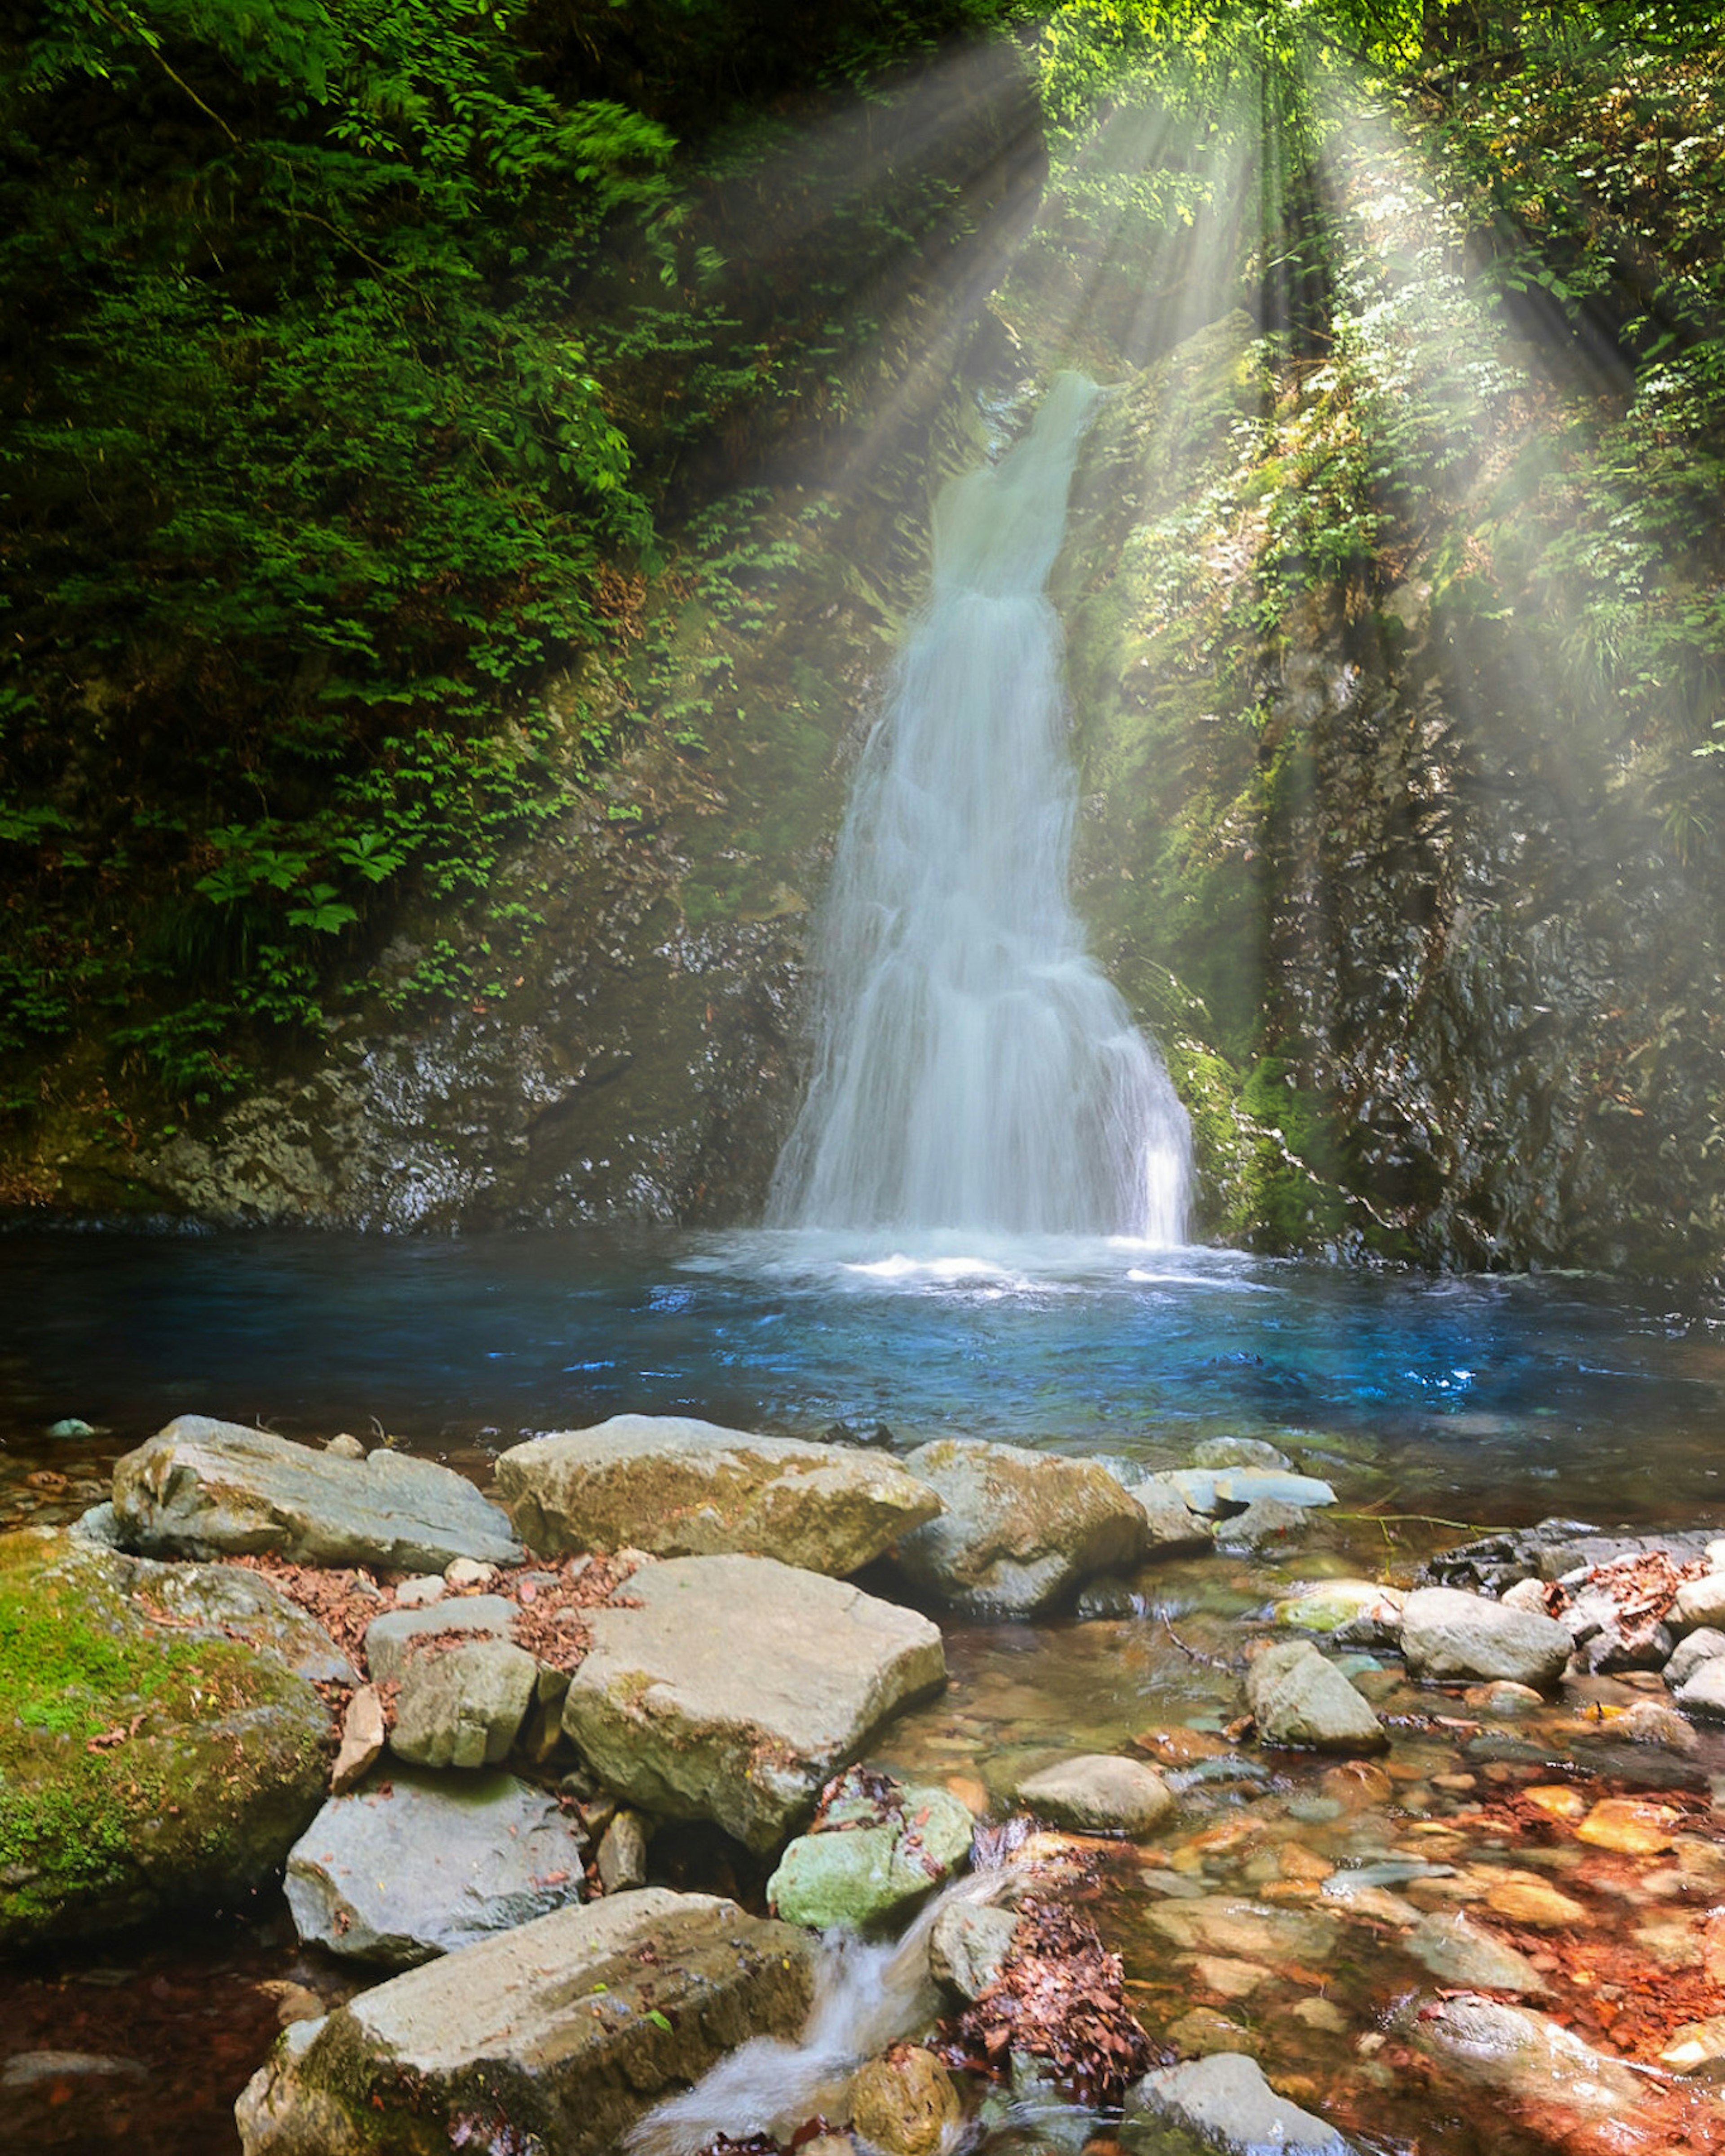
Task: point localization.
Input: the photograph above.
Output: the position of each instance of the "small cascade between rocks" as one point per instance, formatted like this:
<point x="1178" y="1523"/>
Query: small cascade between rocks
<point x="975" y="1069"/>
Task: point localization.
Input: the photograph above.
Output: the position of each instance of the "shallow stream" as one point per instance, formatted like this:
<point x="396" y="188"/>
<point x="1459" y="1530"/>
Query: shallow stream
<point x="1275" y="1915"/>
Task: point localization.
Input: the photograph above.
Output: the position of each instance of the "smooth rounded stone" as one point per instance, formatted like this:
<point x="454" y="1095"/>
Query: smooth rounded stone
<point x="162" y="1743"/>
<point x="392" y="1638"/>
<point x="1020" y="1530"/>
<point x="1524" y="2055"/>
<point x="1703" y="1691"/>
<point x="464" y="1572"/>
<point x="28" y="2070"/>
<point x="423" y="1864"/>
<point x="567" y="2028"/>
<point x="1202" y="2033"/>
<point x="967" y="1946"/>
<point x="464" y="1705"/>
<point x="678" y="1487"/>
<point x="1699" y="1602"/>
<point x="1266" y="1521"/>
<point x="1169" y="1520"/>
<point x="1301" y="1701"/>
<point x="1226" y="2100"/>
<point x="1099" y="1792"/>
<point x="1355" y="1612"/>
<point x="1458" y="1953"/>
<point x="1526" y="1594"/>
<point x="735" y="1687"/>
<point x="203" y="1489"/>
<point x="1704" y="1645"/>
<point x="1448" y="1634"/>
<point x="904" y="2104"/>
<point x="871" y="1860"/>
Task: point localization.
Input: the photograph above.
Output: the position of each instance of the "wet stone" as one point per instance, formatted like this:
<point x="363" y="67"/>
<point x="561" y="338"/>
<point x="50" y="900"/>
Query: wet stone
<point x="1226" y="2099"/>
<point x="1458" y="1953"/>
<point x="1099" y="1793"/>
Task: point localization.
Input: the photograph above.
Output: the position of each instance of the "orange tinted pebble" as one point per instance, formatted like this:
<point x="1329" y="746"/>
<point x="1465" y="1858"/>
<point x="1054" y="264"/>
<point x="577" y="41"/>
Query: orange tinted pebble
<point x="1631" y="1826"/>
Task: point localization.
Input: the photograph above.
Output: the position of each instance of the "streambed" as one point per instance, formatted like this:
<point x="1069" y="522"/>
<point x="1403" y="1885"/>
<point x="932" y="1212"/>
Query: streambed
<point x="1470" y="1401"/>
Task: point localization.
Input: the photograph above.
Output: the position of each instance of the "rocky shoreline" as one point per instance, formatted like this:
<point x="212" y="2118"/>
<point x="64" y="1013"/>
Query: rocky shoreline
<point x="461" y="1730"/>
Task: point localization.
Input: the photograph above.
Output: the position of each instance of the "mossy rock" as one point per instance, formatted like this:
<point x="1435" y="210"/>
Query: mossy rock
<point x="159" y="1747"/>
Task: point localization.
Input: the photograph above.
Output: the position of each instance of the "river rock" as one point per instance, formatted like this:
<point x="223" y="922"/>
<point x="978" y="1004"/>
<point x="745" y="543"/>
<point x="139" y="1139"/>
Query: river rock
<point x="203" y="1489"/>
<point x="967" y="1946"/>
<point x="1226" y="2102"/>
<point x="1704" y="1645"/>
<point x="391" y="1639"/>
<point x="423" y="1864"/>
<point x="1020" y="1530"/>
<point x="163" y="1743"/>
<point x="1097" y="1792"/>
<point x="1169" y="1520"/>
<point x="1449" y="1634"/>
<point x="1699" y="1602"/>
<point x="1459" y="1953"/>
<point x="561" y="2032"/>
<point x="682" y="1488"/>
<point x="1216" y="1489"/>
<point x="904" y="2104"/>
<point x="1302" y="1701"/>
<point x="1262" y="1524"/>
<point x="1529" y="2059"/>
<point x="463" y="1706"/>
<point x="1703" y="1691"/>
<point x="737" y="1685"/>
<point x="874" y="1854"/>
<point x="1354" y="1612"/>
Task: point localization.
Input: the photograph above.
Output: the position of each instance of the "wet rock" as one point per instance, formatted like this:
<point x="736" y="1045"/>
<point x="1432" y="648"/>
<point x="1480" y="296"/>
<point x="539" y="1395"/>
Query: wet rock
<point x="1355" y="1612"/>
<point x="1695" y="2045"/>
<point x="678" y="1487"/>
<point x="1458" y="1953"/>
<point x="1099" y="1793"/>
<point x="1021" y="1529"/>
<point x="1526" y="1899"/>
<point x="1300" y="1700"/>
<point x="463" y="1706"/>
<point x="623" y="1853"/>
<point x="1169" y="1520"/>
<point x="1528" y="2058"/>
<point x="905" y="2104"/>
<point x="1263" y="1523"/>
<point x="967" y="1945"/>
<point x="1226" y="2102"/>
<point x="1706" y="1643"/>
<point x="1648" y="1721"/>
<point x="392" y="1639"/>
<point x="878" y="1849"/>
<point x="1446" y="1634"/>
<point x="423" y="1864"/>
<point x="31" y="2070"/>
<point x="163" y="1744"/>
<point x="1245" y="1930"/>
<point x="1218" y="1489"/>
<point x="736" y="1686"/>
<point x="567" y="2029"/>
<point x="1204" y="2033"/>
<point x="203" y="1489"/>
<point x="1631" y="1825"/>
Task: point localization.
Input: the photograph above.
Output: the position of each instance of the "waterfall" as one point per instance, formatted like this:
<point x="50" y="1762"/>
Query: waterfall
<point x="974" y="1067"/>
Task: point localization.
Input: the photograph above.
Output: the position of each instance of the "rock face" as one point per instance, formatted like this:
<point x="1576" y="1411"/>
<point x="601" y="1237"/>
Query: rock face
<point x="1301" y="1700"/>
<point x="876" y="1852"/>
<point x="422" y="1864"/>
<point x="1446" y="1632"/>
<point x="159" y="1747"/>
<point x="1098" y="1792"/>
<point x="390" y="1638"/>
<point x="464" y="1705"/>
<point x="204" y="1488"/>
<point x="1021" y="1529"/>
<point x="1226" y="2100"/>
<point x="683" y="1488"/>
<point x="737" y="1686"/>
<point x="566" y="2029"/>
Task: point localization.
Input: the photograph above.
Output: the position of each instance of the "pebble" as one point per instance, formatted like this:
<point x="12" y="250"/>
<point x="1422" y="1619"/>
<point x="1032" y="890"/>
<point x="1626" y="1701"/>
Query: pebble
<point x="421" y="1592"/>
<point x="1630" y="1825"/>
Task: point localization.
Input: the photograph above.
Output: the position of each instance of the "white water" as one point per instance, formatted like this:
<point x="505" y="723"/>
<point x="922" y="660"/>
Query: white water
<point x="975" y="1069"/>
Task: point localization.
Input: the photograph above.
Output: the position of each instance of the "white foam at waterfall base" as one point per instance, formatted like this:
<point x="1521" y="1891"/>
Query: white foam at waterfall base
<point x="975" y="1068"/>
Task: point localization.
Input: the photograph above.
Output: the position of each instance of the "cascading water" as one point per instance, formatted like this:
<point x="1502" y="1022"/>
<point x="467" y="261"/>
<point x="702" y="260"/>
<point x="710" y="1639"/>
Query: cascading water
<point x="975" y="1069"/>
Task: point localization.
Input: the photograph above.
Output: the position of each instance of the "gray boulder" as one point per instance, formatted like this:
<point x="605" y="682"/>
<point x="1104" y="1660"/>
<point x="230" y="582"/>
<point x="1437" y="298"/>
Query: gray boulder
<point x="463" y="1706"/>
<point x="560" y="2034"/>
<point x="1099" y="1793"/>
<point x="203" y="1489"/>
<point x="392" y="1638"/>
<point x="1300" y="1700"/>
<point x="1021" y="1529"/>
<point x="683" y="1488"/>
<point x="736" y="1686"/>
<point x="1169" y="1520"/>
<point x="1449" y="1634"/>
<point x="1225" y="2101"/>
<point x="421" y="1865"/>
<point x="1703" y="1691"/>
<point x="1704" y="1645"/>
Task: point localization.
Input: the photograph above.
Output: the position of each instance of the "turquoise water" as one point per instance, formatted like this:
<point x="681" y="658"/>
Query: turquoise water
<point x="1491" y="1398"/>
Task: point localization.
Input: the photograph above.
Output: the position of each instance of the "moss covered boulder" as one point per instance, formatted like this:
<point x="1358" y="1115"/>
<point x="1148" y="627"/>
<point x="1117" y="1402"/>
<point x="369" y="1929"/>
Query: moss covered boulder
<point x="161" y="1739"/>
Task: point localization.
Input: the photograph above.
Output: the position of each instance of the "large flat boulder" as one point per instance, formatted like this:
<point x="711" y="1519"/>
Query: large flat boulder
<point x="735" y="1687"/>
<point x="1447" y="1633"/>
<point x="1021" y="1530"/>
<point x="559" y="2033"/>
<point x="205" y="1489"/>
<point x="419" y="1864"/>
<point x="162" y="1741"/>
<point x="683" y="1488"/>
